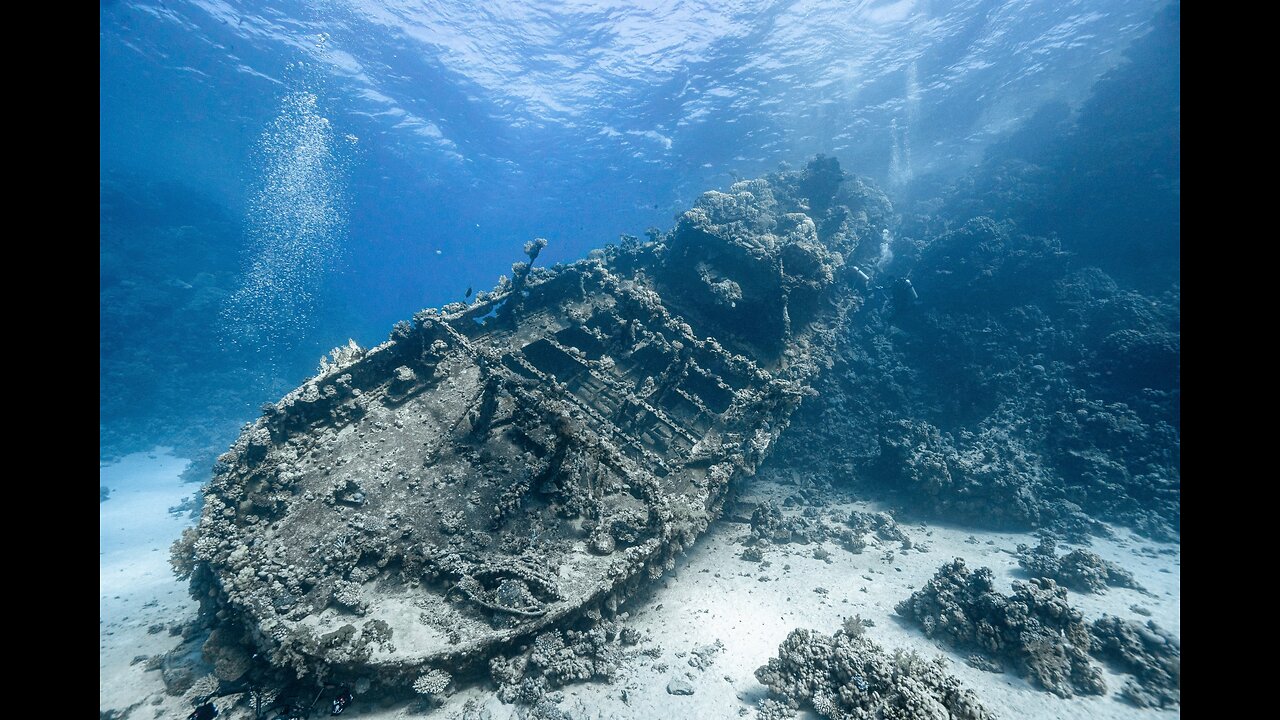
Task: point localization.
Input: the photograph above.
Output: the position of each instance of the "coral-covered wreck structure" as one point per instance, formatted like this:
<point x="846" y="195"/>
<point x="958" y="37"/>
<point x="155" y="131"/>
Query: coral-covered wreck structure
<point x="532" y="457"/>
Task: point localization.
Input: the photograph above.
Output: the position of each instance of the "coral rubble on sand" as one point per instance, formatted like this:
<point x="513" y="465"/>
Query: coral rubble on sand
<point x="1044" y="638"/>
<point x="1152" y="655"/>
<point x="556" y="658"/>
<point x="1079" y="569"/>
<point x="846" y="676"/>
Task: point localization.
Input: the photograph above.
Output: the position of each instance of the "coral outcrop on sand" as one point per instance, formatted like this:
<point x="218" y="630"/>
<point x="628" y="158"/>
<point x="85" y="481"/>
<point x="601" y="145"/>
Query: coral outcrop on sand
<point x="770" y="525"/>
<point x="1035" y="630"/>
<point x="1079" y="569"/>
<point x="557" y="658"/>
<point x="1152" y="655"/>
<point x="846" y="676"/>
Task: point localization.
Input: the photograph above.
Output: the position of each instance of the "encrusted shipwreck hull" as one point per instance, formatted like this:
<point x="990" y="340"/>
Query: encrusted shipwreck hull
<point x="500" y="467"/>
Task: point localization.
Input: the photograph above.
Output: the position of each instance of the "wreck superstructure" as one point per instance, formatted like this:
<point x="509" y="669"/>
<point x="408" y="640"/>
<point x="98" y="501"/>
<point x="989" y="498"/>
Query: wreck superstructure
<point x="499" y="467"/>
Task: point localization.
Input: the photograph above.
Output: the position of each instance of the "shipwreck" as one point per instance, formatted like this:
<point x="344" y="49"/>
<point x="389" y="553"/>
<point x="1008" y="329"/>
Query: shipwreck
<point x="533" y="456"/>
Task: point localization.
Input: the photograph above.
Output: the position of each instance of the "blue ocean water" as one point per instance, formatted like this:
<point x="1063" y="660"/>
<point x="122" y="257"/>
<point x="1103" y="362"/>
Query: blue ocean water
<point x="971" y="279"/>
<point x="279" y="177"/>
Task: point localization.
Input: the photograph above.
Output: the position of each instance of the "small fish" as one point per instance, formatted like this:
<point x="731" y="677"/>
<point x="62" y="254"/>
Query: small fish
<point x="468" y="291"/>
<point x="340" y="703"/>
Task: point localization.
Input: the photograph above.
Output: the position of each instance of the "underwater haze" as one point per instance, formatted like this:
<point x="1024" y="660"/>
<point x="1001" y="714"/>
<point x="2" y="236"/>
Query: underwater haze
<point x="409" y="149"/>
<point x="949" y="232"/>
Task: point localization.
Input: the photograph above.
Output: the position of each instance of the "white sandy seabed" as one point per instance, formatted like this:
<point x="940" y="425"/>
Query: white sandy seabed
<point x="712" y="595"/>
